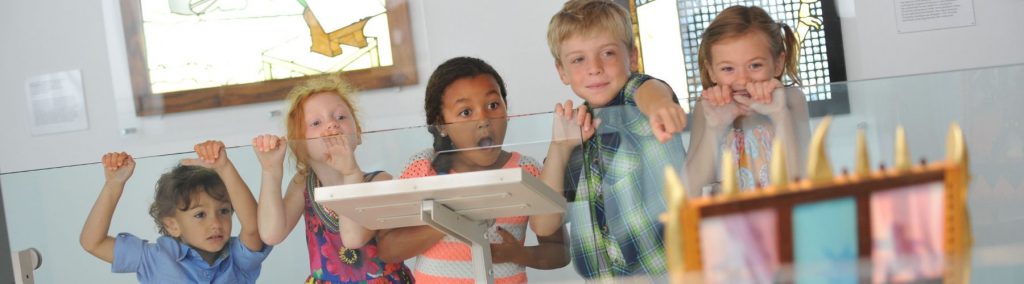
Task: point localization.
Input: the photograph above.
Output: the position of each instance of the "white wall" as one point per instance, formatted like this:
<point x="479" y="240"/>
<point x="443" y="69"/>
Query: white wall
<point x="54" y="35"/>
<point x="874" y="49"/>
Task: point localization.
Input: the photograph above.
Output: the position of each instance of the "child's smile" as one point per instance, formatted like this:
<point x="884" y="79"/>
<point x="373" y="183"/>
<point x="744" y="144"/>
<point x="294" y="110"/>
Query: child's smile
<point x="596" y="67"/>
<point x="743" y="59"/>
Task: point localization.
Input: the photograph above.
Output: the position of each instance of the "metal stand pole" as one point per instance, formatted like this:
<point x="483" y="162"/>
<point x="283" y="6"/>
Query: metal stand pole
<point x="464" y="229"/>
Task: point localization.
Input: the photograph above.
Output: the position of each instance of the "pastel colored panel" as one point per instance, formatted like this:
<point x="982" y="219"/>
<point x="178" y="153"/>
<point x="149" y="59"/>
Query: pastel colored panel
<point x="740" y="248"/>
<point x="825" y="241"/>
<point x="907" y="233"/>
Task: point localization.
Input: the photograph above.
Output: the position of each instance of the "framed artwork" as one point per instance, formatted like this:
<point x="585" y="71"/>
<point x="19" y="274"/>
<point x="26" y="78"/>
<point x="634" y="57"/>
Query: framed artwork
<point x="187" y="55"/>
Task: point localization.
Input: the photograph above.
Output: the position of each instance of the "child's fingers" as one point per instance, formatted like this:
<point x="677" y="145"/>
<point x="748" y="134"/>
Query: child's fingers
<point x="258" y="143"/>
<point x="658" y="128"/>
<point x="674" y="119"/>
<point x="268" y="142"/>
<point x="122" y="159"/>
<point x="580" y="114"/>
<point x="680" y="117"/>
<point x="114" y="160"/>
<point x="717" y="94"/>
<point x="220" y="149"/>
<point x="193" y="162"/>
<point x="726" y="94"/>
<point x="207" y="152"/>
<point x="673" y="122"/>
<point x="708" y="97"/>
<point x="570" y="109"/>
<point x="566" y="111"/>
<point x="587" y="121"/>
<point x="201" y="151"/>
<point x="705" y="96"/>
<point x="752" y="90"/>
<point x="766" y="92"/>
<point x="198" y="148"/>
<point x="107" y="161"/>
<point x="213" y="149"/>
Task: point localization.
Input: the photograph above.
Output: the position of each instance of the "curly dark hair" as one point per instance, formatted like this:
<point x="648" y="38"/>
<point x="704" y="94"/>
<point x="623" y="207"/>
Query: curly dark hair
<point x="175" y="190"/>
<point x="446" y="74"/>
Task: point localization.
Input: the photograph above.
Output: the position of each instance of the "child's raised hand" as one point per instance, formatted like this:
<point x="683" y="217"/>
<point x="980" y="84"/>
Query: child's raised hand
<point x="767" y="98"/>
<point x="719" y="107"/>
<point x="761" y="92"/>
<point x="118" y="166"/>
<point x="211" y="154"/>
<point x="666" y="119"/>
<point x="269" y="151"/>
<point x="718" y="95"/>
<point x="572" y="126"/>
<point x="341" y="153"/>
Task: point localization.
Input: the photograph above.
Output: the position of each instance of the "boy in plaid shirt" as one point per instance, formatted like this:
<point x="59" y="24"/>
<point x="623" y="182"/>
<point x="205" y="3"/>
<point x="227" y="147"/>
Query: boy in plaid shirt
<point x="614" y="180"/>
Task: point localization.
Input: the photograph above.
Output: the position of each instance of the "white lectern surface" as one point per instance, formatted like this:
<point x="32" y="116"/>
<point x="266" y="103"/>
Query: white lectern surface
<point x="475" y="195"/>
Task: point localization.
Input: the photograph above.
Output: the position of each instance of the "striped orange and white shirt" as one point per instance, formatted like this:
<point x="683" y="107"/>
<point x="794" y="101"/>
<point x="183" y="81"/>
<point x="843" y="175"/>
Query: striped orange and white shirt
<point x="450" y="260"/>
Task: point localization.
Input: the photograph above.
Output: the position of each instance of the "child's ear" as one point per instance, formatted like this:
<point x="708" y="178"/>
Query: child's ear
<point x="780" y="64"/>
<point x="711" y="72"/>
<point x="634" y="59"/>
<point x="442" y="130"/>
<point x="561" y="72"/>
<point x="171" y="226"/>
<point x="359" y="135"/>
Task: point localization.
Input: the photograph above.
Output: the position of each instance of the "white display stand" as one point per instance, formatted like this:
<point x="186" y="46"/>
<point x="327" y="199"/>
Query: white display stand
<point x="460" y="205"/>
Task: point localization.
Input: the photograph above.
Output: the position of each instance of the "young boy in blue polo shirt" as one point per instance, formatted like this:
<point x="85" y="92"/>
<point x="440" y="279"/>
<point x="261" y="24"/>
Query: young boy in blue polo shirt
<point x="193" y="207"/>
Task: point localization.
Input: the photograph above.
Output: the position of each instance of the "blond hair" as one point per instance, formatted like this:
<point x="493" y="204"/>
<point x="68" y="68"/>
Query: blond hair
<point x="295" y="121"/>
<point x="587" y="18"/>
<point x="740" y="20"/>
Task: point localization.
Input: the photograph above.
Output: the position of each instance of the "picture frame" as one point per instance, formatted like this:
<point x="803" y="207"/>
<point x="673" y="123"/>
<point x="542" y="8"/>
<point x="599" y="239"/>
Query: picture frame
<point x="151" y="101"/>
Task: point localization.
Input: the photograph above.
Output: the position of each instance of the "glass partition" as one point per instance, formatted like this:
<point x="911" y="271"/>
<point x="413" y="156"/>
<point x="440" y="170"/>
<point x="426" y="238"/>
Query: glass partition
<point x="983" y="102"/>
<point x="46" y="208"/>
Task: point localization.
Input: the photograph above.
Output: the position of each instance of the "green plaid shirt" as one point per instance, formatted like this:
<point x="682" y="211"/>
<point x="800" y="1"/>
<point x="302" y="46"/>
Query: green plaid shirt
<point x="615" y="182"/>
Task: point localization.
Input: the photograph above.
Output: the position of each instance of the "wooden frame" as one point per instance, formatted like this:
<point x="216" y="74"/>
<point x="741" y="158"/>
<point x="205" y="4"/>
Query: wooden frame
<point x="684" y="217"/>
<point x="402" y="72"/>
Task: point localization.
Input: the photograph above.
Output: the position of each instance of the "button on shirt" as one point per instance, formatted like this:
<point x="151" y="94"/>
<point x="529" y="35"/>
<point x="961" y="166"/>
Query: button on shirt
<point x="170" y="261"/>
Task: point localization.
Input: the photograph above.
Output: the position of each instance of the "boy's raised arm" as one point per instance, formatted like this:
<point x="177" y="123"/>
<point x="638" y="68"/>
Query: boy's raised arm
<point x="212" y="155"/>
<point x="117" y="168"/>
<point x="656" y="100"/>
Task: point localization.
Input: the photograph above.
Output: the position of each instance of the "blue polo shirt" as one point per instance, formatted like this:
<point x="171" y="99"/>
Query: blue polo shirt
<point x="169" y="261"/>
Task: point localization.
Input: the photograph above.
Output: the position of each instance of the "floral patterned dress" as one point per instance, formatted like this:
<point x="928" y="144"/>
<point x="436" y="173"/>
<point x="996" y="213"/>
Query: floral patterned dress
<point x="332" y="262"/>
<point x="753" y="152"/>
